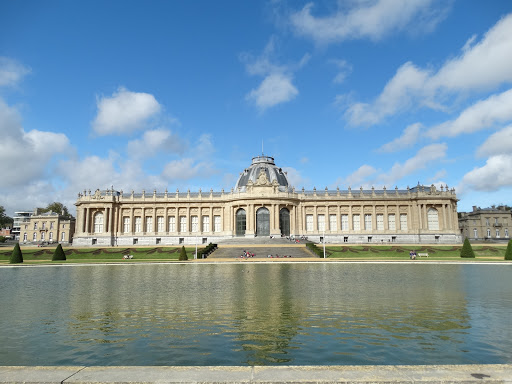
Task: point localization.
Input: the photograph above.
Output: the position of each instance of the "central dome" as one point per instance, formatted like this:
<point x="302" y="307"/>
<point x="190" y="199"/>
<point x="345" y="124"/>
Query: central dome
<point x="271" y="171"/>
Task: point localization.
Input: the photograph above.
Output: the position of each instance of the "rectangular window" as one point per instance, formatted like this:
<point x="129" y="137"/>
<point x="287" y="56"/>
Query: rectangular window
<point x="172" y="224"/>
<point x="63" y="226"/>
<point x="63" y="237"/>
<point x="35" y="226"/>
<point x="368" y="222"/>
<point x="344" y="223"/>
<point x="183" y="224"/>
<point x="195" y="224"/>
<point x="51" y="224"/>
<point x="138" y="224"/>
<point x="488" y="232"/>
<point x="506" y="232"/>
<point x="50" y="236"/>
<point x="495" y="220"/>
<point x="126" y="224"/>
<point x="160" y="223"/>
<point x="345" y="239"/>
<point x="321" y="222"/>
<point x="475" y="233"/>
<point x="34" y="237"/>
<point x="149" y="224"/>
<point x="206" y="223"/>
<point x="380" y="222"/>
<point x="217" y="227"/>
<point x="486" y="221"/>
<point x="42" y="236"/>
<point x="44" y="224"/>
<point x="309" y="223"/>
<point x="333" y="225"/>
<point x="403" y="222"/>
<point x="356" y="222"/>
<point x="391" y="222"/>
<point x="497" y="233"/>
<point x="159" y="240"/>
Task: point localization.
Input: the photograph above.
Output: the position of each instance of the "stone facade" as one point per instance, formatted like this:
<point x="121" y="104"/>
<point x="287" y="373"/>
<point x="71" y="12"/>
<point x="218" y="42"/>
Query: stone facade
<point x="47" y="227"/>
<point x="489" y="224"/>
<point x="263" y="204"/>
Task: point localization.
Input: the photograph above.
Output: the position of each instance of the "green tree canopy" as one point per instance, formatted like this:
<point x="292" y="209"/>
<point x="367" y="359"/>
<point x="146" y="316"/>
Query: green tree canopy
<point x="5" y="221"/>
<point x="16" y="256"/>
<point x="467" y="250"/>
<point x="183" y="254"/>
<point x="508" y="252"/>
<point x="57" y="208"/>
<point x="59" y="254"/>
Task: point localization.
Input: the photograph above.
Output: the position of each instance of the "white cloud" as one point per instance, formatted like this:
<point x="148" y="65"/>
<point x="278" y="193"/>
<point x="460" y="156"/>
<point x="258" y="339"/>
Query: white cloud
<point x="423" y="158"/>
<point x="155" y="141"/>
<point x="25" y="155"/>
<point x="372" y="19"/>
<point x="295" y="179"/>
<point x="499" y="143"/>
<point x="481" y="66"/>
<point x="184" y="169"/>
<point x="344" y="69"/>
<point x="277" y="86"/>
<point x="408" y="138"/>
<point x="11" y="72"/>
<point x="483" y="114"/>
<point x="360" y="176"/>
<point x="495" y="174"/>
<point x="275" y="89"/>
<point x="124" y="112"/>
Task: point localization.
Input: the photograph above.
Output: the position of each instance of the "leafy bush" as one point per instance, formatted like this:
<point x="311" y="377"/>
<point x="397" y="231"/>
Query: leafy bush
<point x="3" y="239"/>
<point x="16" y="256"/>
<point x="59" y="254"/>
<point x="313" y="248"/>
<point x="183" y="254"/>
<point x="206" y="251"/>
<point x="467" y="250"/>
<point x="508" y="253"/>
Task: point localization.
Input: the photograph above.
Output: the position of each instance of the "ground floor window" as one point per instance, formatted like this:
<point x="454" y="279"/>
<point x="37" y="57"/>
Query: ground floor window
<point x="206" y="223"/>
<point x="356" y="223"/>
<point x="403" y="222"/>
<point x="183" y="224"/>
<point x="126" y="224"/>
<point x="160" y="224"/>
<point x="497" y="233"/>
<point x="333" y="223"/>
<point x="149" y="224"/>
<point x="506" y="232"/>
<point x="309" y="223"/>
<point x="380" y="222"/>
<point x="216" y="224"/>
<point x="63" y="237"/>
<point x="321" y="223"/>
<point x="488" y="232"/>
<point x="172" y="224"/>
<point x="475" y="233"/>
<point x="345" y="239"/>
<point x="158" y="240"/>
<point x="195" y="224"/>
<point x="368" y="222"/>
<point x="138" y="224"/>
<point x="344" y="223"/>
<point x="391" y="222"/>
<point x="50" y="236"/>
<point x="24" y="237"/>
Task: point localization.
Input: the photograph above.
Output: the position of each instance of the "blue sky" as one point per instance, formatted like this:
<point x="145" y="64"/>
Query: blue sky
<point x="182" y="94"/>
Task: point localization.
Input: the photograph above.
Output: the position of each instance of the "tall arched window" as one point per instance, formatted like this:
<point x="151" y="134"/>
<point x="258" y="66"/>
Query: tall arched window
<point x="98" y="222"/>
<point x="240" y="222"/>
<point x="433" y="219"/>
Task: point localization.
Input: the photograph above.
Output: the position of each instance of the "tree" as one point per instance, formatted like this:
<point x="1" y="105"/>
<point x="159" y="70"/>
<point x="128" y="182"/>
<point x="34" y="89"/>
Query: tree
<point x="5" y="221"/>
<point x="183" y="254"/>
<point x="56" y="207"/>
<point x="16" y="256"/>
<point x="467" y="250"/>
<point x="508" y="252"/>
<point x="59" y="254"/>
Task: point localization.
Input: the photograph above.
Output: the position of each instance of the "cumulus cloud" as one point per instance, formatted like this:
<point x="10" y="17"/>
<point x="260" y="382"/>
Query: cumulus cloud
<point x="277" y="86"/>
<point x="481" y="66"/>
<point x="31" y="150"/>
<point x="275" y="89"/>
<point x="360" y="176"/>
<point x="124" y="112"/>
<point x="344" y="69"/>
<point x="184" y="169"/>
<point x="372" y="19"/>
<point x="11" y="72"/>
<point x="494" y="175"/>
<point x="155" y="141"/>
<point x="499" y="143"/>
<point x="483" y="114"/>
<point x="408" y="138"/>
<point x="295" y="179"/>
<point x="423" y="158"/>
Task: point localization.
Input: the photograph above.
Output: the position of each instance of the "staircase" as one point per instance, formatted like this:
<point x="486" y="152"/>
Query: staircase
<point x="262" y="251"/>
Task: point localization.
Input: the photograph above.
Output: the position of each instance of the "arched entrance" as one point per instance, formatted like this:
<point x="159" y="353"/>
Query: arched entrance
<point x="240" y="222"/>
<point x="263" y="222"/>
<point x="284" y="221"/>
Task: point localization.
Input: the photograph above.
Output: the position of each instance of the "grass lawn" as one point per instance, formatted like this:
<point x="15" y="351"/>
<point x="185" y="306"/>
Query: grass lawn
<point x="450" y="252"/>
<point x="94" y="255"/>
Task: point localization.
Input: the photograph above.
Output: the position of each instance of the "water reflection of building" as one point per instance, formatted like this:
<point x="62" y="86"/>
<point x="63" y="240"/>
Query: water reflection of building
<point x="263" y="203"/>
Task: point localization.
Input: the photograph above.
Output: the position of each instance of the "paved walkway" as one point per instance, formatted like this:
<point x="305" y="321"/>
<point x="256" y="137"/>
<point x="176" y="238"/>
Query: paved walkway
<point x="425" y="374"/>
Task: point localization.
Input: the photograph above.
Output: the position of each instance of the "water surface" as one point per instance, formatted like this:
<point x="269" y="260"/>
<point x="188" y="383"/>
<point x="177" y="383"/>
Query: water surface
<point x="256" y="314"/>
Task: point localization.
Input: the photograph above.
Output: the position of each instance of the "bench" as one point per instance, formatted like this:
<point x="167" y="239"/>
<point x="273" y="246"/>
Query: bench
<point x="422" y="254"/>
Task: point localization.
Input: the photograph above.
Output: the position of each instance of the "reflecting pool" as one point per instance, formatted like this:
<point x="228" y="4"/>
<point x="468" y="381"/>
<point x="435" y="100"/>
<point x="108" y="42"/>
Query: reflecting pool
<point x="256" y="314"/>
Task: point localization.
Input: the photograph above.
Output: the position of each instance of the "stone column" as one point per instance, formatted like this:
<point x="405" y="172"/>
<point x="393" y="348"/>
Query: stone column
<point x="386" y="218"/>
<point x="374" y="218"/>
<point x="350" y="219"/>
<point x="132" y="224"/>
<point x="86" y="214"/>
<point x="444" y="216"/>
<point x="155" y="224"/>
<point x="425" y="221"/>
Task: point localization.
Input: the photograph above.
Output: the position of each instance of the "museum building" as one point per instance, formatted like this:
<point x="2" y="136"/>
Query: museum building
<point x="263" y="203"/>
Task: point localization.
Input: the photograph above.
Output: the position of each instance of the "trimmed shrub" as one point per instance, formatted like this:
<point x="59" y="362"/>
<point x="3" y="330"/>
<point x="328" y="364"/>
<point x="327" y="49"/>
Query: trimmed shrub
<point x="16" y="256"/>
<point x="467" y="250"/>
<point x="313" y="248"/>
<point x="59" y="254"/>
<point x="183" y="254"/>
<point x="508" y="252"/>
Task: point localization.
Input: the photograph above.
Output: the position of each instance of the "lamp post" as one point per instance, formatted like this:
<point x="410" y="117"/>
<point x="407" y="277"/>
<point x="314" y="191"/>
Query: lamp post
<point x="324" y="242"/>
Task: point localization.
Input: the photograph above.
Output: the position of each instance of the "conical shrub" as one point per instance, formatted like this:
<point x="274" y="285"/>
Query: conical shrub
<point x="508" y="252"/>
<point x="467" y="250"/>
<point x="16" y="256"/>
<point x="183" y="254"/>
<point x="59" y="254"/>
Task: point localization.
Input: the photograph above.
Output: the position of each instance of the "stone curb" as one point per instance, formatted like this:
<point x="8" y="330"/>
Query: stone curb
<point x="424" y="374"/>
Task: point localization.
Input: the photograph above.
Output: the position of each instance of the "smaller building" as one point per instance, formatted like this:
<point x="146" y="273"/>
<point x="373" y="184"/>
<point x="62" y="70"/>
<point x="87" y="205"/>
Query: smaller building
<point x="5" y="232"/>
<point x="20" y="219"/>
<point x="486" y="224"/>
<point x="49" y="227"/>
